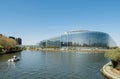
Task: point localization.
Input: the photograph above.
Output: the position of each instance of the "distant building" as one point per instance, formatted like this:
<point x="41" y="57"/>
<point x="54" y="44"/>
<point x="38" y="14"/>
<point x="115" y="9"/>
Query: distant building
<point x="18" y="40"/>
<point x="1" y="35"/>
<point x="80" y="38"/>
<point x="12" y="37"/>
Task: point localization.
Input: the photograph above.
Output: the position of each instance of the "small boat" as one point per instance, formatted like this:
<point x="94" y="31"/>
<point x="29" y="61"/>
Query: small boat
<point x="14" y="59"/>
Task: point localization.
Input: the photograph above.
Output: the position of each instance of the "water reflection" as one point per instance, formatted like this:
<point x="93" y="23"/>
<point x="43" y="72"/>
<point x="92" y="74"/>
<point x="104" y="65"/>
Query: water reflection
<point x="11" y="65"/>
<point x="52" y="65"/>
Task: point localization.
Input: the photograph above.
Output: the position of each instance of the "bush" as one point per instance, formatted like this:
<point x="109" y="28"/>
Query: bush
<point x="113" y="55"/>
<point x="7" y="43"/>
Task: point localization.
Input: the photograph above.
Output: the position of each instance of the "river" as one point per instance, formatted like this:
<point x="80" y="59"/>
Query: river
<point x="52" y="65"/>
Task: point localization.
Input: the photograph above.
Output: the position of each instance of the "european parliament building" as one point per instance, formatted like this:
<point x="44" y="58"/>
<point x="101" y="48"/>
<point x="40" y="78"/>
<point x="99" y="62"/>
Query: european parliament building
<point x="80" y="38"/>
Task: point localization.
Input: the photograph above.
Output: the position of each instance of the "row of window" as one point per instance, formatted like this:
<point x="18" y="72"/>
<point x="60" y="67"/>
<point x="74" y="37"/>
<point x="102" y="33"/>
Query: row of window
<point x="80" y="39"/>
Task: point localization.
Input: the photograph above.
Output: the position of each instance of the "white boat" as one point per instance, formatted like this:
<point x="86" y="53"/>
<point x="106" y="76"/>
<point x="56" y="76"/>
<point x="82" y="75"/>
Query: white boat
<point x="14" y="59"/>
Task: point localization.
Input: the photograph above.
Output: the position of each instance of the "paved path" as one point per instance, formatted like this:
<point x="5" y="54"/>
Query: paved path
<point x="107" y="71"/>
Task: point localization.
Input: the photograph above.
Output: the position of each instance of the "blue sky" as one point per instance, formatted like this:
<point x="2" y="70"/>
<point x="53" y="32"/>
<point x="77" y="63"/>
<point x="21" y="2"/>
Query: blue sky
<point x="35" y="20"/>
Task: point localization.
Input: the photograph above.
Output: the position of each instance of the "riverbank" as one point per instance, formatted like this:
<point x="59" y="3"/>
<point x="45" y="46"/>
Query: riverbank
<point x="69" y="50"/>
<point x="109" y="72"/>
<point x="11" y="50"/>
<point x="1" y="53"/>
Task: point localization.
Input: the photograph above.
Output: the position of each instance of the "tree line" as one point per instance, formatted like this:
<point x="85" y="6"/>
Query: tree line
<point x="7" y="43"/>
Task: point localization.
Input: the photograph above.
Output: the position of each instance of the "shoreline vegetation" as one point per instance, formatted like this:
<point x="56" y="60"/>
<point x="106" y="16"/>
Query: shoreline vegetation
<point x="11" y="50"/>
<point x="69" y="50"/>
<point x="9" y="45"/>
<point x="83" y="49"/>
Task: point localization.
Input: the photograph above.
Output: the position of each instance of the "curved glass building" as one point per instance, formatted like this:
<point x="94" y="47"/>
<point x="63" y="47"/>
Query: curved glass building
<point x="80" y="38"/>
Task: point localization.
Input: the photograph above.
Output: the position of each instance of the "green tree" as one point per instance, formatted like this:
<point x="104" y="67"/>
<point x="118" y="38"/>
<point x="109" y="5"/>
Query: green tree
<point x="7" y="43"/>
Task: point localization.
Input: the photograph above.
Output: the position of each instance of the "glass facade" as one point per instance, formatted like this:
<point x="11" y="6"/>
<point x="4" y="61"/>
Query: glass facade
<point x="80" y="39"/>
<point x="53" y="42"/>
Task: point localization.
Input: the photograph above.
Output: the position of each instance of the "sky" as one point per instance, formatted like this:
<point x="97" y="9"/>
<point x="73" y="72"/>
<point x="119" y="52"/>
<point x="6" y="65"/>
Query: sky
<point x="36" y="20"/>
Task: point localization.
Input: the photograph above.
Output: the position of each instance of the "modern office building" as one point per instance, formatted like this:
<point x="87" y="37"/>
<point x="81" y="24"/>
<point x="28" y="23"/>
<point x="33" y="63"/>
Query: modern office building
<point x="80" y="38"/>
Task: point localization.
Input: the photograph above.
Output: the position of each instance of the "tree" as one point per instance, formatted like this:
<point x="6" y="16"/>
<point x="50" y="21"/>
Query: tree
<point x="7" y="43"/>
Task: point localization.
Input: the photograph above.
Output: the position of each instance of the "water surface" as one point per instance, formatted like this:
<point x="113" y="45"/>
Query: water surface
<point x="52" y="65"/>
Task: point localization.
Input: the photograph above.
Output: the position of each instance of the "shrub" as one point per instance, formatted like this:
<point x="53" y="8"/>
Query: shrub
<point x="7" y="43"/>
<point x="114" y="55"/>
